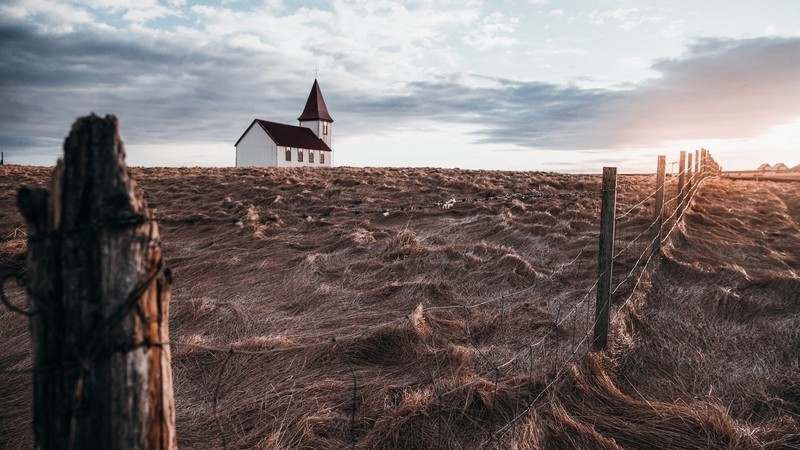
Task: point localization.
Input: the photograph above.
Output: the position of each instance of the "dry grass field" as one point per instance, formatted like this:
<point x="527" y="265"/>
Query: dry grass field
<point x="373" y="308"/>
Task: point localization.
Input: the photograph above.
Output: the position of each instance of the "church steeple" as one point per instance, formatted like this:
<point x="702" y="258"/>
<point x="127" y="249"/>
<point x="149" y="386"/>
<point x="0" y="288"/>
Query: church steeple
<point x="315" y="106"/>
<point x="316" y="117"/>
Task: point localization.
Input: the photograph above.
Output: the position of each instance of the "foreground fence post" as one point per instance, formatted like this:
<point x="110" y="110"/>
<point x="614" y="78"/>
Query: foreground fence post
<point x="99" y="295"/>
<point x="681" y="184"/>
<point x="660" y="173"/>
<point x="605" y="259"/>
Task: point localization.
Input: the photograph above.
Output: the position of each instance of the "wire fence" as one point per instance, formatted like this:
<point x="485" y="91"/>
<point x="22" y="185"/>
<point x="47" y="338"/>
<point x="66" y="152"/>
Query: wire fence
<point x="638" y="229"/>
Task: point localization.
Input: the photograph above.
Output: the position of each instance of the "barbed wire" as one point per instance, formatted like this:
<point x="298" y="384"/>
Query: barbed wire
<point x="634" y="240"/>
<point x="639" y="279"/>
<point x="635" y="266"/>
<point x="632" y="208"/>
<point x="562" y="370"/>
<point x="559" y="322"/>
<point x="644" y="200"/>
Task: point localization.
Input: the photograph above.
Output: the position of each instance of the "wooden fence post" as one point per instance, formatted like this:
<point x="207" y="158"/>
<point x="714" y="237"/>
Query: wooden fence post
<point x="99" y="293"/>
<point x="605" y="259"/>
<point x="681" y="184"/>
<point x="689" y="180"/>
<point x="701" y="165"/>
<point x="697" y="167"/>
<point x="704" y="169"/>
<point x="660" y="172"/>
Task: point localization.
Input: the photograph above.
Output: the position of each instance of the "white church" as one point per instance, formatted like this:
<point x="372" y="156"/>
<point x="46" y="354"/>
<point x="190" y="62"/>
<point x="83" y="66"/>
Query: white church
<point x="272" y="144"/>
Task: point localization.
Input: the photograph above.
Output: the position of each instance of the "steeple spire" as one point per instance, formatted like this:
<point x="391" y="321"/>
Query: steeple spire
<point x="315" y="106"/>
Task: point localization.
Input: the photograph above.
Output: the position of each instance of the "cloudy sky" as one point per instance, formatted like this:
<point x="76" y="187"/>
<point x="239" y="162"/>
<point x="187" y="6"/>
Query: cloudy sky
<point x="510" y="84"/>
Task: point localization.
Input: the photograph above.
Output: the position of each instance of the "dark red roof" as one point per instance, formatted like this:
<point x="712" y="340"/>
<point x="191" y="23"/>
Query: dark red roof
<point x="289" y="135"/>
<point x="315" y="106"/>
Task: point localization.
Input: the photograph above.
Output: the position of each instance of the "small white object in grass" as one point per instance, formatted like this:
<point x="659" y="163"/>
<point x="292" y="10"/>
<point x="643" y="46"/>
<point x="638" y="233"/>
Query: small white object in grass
<point x="385" y="212"/>
<point x="449" y="204"/>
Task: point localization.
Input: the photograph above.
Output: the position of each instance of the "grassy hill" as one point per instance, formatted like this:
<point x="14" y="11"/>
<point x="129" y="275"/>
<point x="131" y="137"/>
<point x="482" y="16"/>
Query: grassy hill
<point x="433" y="308"/>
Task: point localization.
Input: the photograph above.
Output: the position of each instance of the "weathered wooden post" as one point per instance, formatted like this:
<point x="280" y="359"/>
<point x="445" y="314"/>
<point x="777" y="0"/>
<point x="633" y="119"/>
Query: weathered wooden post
<point x="689" y="179"/>
<point x="100" y="296"/>
<point x="704" y="156"/>
<point x="681" y="184"/>
<point x="660" y="170"/>
<point x="697" y="167"/>
<point x="699" y="163"/>
<point x="605" y="260"/>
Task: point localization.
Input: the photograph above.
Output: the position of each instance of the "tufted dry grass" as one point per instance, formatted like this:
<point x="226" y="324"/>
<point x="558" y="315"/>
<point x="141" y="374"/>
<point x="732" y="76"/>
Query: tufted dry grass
<point x="431" y="308"/>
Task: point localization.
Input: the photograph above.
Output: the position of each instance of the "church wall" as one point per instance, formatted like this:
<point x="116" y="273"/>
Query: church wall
<point x="256" y="149"/>
<point x="295" y="163"/>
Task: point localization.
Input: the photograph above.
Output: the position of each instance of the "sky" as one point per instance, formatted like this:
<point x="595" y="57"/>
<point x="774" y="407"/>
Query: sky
<point x="567" y="86"/>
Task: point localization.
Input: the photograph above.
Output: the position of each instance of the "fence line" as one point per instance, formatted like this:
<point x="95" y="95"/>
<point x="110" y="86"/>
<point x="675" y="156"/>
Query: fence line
<point x="649" y="254"/>
<point x="646" y="253"/>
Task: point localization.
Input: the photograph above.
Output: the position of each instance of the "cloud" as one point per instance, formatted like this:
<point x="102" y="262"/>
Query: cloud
<point x="49" y="16"/>
<point x="720" y="89"/>
<point x="205" y="80"/>
<point x="494" y="30"/>
<point x="628" y="18"/>
<point x="60" y="17"/>
<point x="163" y="89"/>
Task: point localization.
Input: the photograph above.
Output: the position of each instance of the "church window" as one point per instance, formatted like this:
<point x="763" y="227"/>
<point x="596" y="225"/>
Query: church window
<point x="321" y="157"/>
<point x="311" y="156"/>
<point x="288" y="154"/>
<point x="324" y="128"/>
<point x="300" y="155"/>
